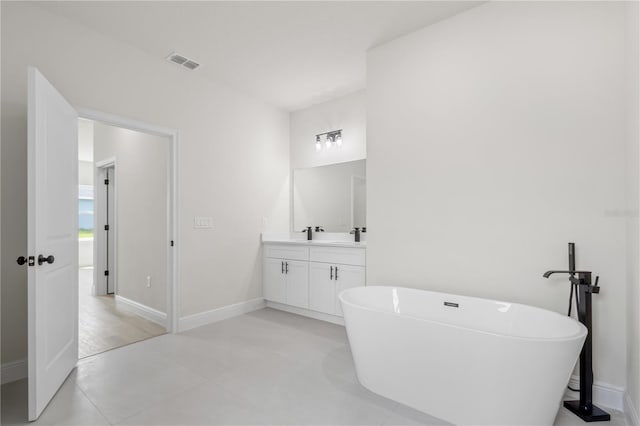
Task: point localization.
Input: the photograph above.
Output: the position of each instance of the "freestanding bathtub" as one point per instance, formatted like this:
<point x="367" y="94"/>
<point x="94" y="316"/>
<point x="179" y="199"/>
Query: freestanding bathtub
<point x="466" y="360"/>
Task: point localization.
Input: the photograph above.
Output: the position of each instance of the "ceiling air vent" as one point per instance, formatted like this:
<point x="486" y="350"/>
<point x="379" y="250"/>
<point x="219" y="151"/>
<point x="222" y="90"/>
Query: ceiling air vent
<point x="182" y="61"/>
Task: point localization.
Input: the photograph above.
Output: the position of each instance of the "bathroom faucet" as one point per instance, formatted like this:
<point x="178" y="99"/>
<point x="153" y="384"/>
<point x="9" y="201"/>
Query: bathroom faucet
<point x="356" y="234"/>
<point x="309" y="232"/>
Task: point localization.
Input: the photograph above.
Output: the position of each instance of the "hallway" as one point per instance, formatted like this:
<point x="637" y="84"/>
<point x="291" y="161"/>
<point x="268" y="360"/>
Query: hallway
<point x="103" y="326"/>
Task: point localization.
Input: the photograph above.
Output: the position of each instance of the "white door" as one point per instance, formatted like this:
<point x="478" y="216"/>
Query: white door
<point x="297" y="273"/>
<point x="52" y="240"/>
<point x="274" y="280"/>
<point x="322" y="289"/>
<point x="347" y="276"/>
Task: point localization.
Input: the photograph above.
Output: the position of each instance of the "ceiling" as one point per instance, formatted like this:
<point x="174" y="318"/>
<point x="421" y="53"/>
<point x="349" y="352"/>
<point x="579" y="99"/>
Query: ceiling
<point x="290" y="54"/>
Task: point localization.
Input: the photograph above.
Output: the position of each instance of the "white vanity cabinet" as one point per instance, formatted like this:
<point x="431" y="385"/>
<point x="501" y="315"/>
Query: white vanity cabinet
<point x="286" y="279"/>
<point x="322" y="289"/>
<point x="348" y="276"/>
<point x="332" y="270"/>
<point x="311" y="276"/>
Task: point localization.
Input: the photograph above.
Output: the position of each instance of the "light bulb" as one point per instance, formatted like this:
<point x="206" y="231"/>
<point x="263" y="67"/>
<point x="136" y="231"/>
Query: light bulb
<point x="318" y="146"/>
<point x="339" y="140"/>
<point x="329" y="141"/>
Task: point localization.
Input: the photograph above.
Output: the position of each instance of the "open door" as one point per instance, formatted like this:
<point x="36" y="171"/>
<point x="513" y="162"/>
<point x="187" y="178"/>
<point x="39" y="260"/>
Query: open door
<point x="52" y="240"/>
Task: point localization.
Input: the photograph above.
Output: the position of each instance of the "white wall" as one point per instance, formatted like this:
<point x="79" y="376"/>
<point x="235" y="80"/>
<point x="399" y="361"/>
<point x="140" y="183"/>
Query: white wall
<point x="85" y="173"/>
<point x="347" y="113"/>
<point x="233" y="156"/>
<point x="633" y="208"/>
<point x="494" y="138"/>
<point x="141" y="189"/>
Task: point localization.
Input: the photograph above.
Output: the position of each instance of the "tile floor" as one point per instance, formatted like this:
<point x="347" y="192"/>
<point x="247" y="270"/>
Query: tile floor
<point x="104" y="326"/>
<point x="266" y="367"/>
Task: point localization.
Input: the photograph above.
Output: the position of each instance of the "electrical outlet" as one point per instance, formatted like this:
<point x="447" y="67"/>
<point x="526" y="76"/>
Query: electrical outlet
<point x="148" y="281"/>
<point x="202" y="222"/>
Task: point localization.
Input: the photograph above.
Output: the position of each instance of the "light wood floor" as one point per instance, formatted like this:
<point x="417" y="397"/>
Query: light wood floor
<point x="102" y="326"/>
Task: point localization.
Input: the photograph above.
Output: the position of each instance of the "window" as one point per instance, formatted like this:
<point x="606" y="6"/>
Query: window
<point x="85" y="211"/>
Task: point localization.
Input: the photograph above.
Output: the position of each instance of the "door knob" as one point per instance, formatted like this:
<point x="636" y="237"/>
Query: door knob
<point x="49" y="259"/>
<point x="21" y="260"/>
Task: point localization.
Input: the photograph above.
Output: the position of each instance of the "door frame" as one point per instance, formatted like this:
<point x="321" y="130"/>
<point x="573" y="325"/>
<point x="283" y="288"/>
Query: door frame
<point x="173" y="231"/>
<point x="99" y="219"/>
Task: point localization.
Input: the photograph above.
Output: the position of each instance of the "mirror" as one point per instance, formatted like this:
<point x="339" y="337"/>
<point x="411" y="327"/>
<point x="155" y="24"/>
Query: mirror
<point x="332" y="196"/>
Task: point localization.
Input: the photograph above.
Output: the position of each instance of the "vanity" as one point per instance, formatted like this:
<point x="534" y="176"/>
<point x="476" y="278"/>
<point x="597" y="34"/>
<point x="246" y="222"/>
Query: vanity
<point x="305" y="276"/>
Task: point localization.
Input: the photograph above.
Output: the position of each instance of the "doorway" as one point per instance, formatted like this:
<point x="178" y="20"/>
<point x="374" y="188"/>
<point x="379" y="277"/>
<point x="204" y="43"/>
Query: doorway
<point x="126" y="183"/>
<point x="105" y="247"/>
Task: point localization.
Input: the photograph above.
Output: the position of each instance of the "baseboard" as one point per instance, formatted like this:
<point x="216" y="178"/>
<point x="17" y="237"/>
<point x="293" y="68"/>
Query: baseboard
<point x="604" y="394"/>
<point x="14" y="370"/>
<point x="630" y="411"/>
<point x="219" y="314"/>
<point x="141" y="310"/>
<point x="306" y="313"/>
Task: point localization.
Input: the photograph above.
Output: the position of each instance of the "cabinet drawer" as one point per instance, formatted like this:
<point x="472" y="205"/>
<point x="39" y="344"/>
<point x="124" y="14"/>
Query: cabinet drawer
<point x="283" y="251"/>
<point x="340" y="255"/>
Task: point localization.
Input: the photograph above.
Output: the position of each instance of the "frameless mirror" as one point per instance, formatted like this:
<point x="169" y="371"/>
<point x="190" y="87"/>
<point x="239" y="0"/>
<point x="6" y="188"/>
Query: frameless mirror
<point x="333" y="197"/>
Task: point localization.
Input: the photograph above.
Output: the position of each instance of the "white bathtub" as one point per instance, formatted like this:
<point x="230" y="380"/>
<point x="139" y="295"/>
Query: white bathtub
<point x="483" y="362"/>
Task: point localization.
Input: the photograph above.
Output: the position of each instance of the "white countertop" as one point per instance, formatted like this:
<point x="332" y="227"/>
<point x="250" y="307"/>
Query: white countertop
<point x="322" y="241"/>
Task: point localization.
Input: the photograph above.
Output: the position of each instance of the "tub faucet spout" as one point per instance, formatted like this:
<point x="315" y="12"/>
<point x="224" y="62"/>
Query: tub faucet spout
<point x="584" y="277"/>
<point x="549" y="273"/>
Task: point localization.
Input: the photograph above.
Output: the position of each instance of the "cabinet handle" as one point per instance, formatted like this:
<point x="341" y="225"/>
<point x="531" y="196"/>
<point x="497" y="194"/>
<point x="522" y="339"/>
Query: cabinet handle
<point x="331" y="273"/>
<point x="336" y="273"/>
<point x="282" y="267"/>
<point x="286" y="267"/>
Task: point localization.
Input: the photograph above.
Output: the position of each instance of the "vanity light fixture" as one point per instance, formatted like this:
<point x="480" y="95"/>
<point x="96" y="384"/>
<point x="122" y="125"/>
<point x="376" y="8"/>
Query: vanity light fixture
<point x="334" y="137"/>
<point x="329" y="141"/>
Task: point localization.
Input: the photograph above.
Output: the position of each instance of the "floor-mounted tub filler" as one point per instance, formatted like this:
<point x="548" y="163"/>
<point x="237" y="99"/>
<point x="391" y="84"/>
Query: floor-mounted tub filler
<point x="466" y="360"/>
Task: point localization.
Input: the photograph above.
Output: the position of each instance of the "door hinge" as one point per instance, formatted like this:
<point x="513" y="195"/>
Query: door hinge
<point x="172" y="243"/>
<point x="106" y="227"/>
<point x="106" y="181"/>
<point x="106" y="273"/>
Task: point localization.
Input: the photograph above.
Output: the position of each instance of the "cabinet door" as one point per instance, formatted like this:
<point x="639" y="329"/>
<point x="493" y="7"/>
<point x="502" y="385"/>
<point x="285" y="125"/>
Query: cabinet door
<point x="274" y="282"/>
<point x="347" y="277"/>
<point x="297" y="273"/>
<point x="322" y="289"/>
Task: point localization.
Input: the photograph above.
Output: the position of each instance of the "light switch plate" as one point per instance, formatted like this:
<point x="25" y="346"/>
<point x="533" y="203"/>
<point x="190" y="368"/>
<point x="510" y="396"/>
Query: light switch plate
<point x="202" y="222"/>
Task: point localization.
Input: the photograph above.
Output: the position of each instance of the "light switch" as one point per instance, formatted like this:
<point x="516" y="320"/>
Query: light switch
<point x="201" y="222"/>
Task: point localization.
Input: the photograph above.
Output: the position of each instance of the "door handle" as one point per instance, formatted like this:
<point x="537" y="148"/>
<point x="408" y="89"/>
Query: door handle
<point x="49" y="259"/>
<point x="336" y="273"/>
<point x="286" y="267"/>
<point x="331" y="273"/>
<point x="282" y="267"/>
